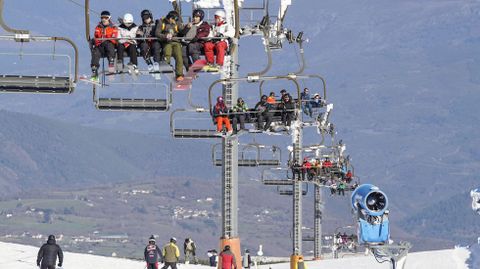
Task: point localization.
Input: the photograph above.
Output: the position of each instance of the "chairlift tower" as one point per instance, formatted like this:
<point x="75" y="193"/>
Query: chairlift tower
<point x="297" y="138"/>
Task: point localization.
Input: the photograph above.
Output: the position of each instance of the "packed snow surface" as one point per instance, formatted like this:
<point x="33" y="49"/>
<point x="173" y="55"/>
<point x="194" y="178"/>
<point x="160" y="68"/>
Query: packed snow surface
<point x="23" y="257"/>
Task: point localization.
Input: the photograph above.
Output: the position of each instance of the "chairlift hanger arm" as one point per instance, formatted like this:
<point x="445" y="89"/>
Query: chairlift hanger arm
<point x="6" y="27"/>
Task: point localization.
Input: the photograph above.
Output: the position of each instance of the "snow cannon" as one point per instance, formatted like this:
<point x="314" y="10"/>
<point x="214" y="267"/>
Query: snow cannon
<point x="475" y="194"/>
<point x="371" y="207"/>
<point x="371" y="199"/>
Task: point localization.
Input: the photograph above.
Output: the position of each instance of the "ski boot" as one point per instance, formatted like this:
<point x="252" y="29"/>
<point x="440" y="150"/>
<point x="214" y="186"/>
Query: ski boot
<point x="120" y="66"/>
<point x="94" y="77"/>
<point x="111" y="66"/>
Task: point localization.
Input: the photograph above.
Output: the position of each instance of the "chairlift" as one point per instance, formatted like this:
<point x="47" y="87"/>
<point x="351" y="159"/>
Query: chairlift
<point x="283" y="191"/>
<point x="164" y="69"/>
<point x="277" y="114"/>
<point x="42" y="84"/>
<point x="135" y="104"/>
<point x="198" y="116"/>
<point x="278" y="176"/>
<point x="251" y="155"/>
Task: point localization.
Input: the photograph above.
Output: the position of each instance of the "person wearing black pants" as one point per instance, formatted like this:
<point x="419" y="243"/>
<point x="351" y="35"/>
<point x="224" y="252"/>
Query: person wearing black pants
<point x="127" y="31"/>
<point x="263" y="108"/>
<point x="47" y="255"/>
<point x="288" y="110"/>
<point x="105" y="49"/>
<point x="240" y="110"/>
<point x="103" y="44"/>
<point x="148" y="48"/>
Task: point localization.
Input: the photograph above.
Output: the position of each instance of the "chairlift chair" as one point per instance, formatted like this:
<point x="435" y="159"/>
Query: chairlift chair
<point x="202" y="116"/>
<point x="135" y="104"/>
<point x="42" y="84"/>
<point x="251" y="155"/>
<point x="283" y="191"/>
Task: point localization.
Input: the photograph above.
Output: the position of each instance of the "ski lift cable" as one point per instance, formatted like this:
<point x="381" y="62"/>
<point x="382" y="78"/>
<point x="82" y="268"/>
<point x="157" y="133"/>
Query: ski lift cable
<point x="83" y="6"/>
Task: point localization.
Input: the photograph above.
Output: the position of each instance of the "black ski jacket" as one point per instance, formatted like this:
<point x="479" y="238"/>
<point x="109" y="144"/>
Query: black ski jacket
<point x="48" y="253"/>
<point x="152" y="254"/>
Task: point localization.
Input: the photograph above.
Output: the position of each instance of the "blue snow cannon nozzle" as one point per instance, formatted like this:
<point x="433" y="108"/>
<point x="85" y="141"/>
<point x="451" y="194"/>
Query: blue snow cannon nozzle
<point x="371" y="199"/>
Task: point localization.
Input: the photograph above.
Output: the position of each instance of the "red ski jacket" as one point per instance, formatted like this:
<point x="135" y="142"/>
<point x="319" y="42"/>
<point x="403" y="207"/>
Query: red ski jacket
<point x="228" y="260"/>
<point x="102" y="31"/>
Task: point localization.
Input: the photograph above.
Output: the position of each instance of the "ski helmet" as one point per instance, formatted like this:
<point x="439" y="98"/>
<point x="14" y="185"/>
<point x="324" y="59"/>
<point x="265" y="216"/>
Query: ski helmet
<point x="128" y="19"/>
<point x="220" y="99"/>
<point x="51" y="237"/>
<point x="220" y="13"/>
<point x="151" y="239"/>
<point x="227" y="247"/>
<point x="198" y="13"/>
<point x="173" y="15"/>
<point x="105" y="13"/>
<point x="146" y="14"/>
<point x="173" y="240"/>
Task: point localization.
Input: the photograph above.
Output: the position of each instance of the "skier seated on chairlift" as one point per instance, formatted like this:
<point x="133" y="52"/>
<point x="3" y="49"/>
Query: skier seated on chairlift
<point x="166" y="29"/>
<point x="306" y="166"/>
<point x="296" y="170"/>
<point x="272" y="100"/>
<point x="149" y="48"/>
<point x="194" y="32"/>
<point x="348" y="176"/>
<point x="127" y="31"/>
<point x="306" y="104"/>
<point x="240" y="115"/>
<point x="287" y="106"/>
<point x="218" y="47"/>
<point x="220" y="115"/>
<point x="327" y="165"/>
<point x="102" y="46"/>
<point x="263" y="109"/>
<point x="317" y="101"/>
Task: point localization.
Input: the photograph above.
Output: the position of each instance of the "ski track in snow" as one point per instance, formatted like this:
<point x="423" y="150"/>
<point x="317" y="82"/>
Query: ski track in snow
<point x="23" y="257"/>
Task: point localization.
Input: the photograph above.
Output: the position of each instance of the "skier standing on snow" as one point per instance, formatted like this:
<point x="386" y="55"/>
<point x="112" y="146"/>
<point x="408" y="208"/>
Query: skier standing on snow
<point x="228" y="258"/>
<point x="47" y="255"/>
<point x="189" y="249"/>
<point x="171" y="254"/>
<point x="152" y="254"/>
<point x="247" y="259"/>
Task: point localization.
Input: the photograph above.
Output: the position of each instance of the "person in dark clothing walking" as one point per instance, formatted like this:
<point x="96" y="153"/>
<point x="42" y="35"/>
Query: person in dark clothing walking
<point x="228" y="258"/>
<point x="47" y="255"/>
<point x="247" y="260"/>
<point x="152" y="254"/>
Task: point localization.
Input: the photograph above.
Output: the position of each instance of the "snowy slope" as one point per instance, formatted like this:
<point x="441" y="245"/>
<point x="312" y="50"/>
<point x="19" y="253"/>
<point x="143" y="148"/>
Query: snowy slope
<point x="23" y="257"/>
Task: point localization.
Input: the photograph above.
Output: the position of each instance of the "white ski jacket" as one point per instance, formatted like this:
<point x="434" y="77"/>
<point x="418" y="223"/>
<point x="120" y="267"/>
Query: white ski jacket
<point x="224" y="29"/>
<point x="126" y="33"/>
